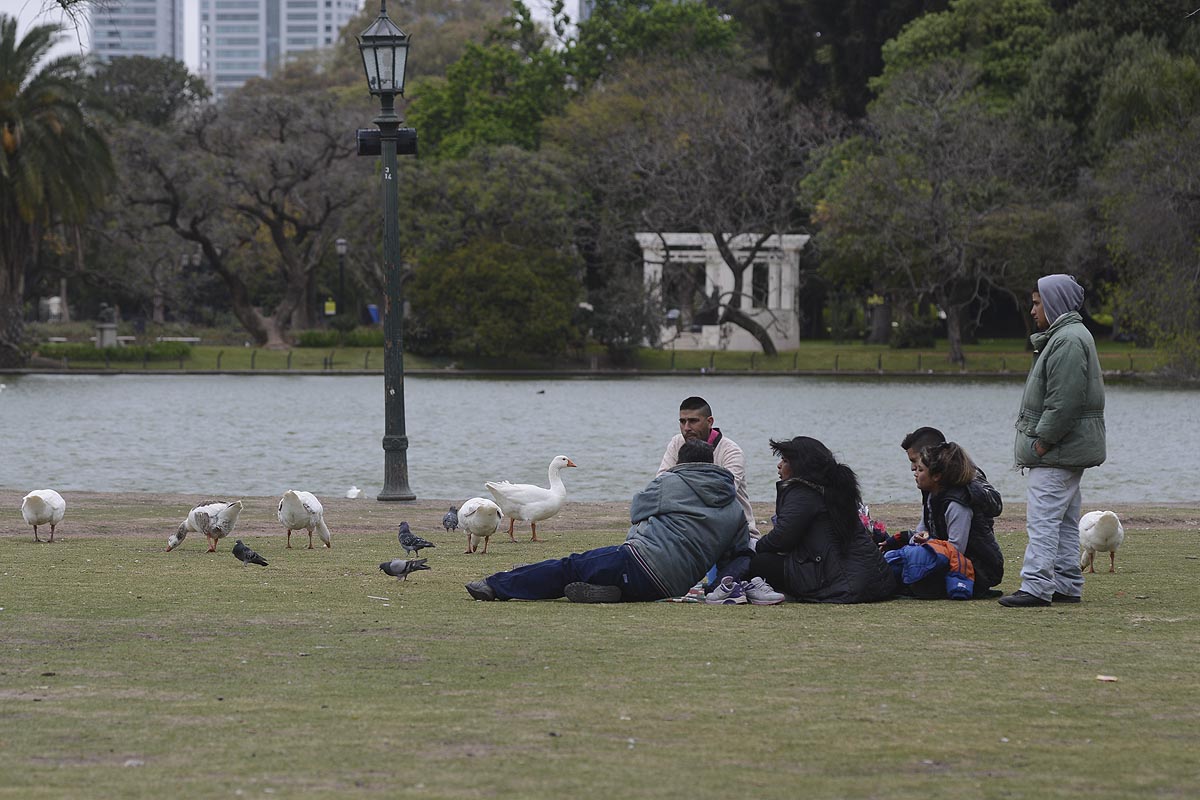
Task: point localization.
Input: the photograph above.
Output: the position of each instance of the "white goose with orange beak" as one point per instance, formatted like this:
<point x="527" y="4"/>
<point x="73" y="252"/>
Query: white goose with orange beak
<point x="528" y="502"/>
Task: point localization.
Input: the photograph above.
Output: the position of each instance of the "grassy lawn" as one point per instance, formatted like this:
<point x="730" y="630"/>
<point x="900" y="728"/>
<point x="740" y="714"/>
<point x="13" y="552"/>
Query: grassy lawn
<point x="987" y="356"/>
<point x="126" y="670"/>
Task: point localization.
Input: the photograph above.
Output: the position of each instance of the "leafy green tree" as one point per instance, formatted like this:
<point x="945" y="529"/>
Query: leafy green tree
<point x="823" y="51"/>
<point x="1145" y="88"/>
<point x="262" y="184"/>
<point x="690" y="146"/>
<point x="497" y="93"/>
<point x="493" y="299"/>
<point x="927" y="201"/>
<point x="1164" y="19"/>
<point x="55" y="164"/>
<point x="1151" y="209"/>
<point x="999" y="38"/>
<point x="149" y="90"/>
<point x="503" y="193"/>
<point x="618" y="31"/>
<point x="439" y="29"/>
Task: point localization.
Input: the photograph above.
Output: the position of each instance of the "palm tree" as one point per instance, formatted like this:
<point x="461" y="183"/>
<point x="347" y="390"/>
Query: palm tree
<point x="55" y="165"/>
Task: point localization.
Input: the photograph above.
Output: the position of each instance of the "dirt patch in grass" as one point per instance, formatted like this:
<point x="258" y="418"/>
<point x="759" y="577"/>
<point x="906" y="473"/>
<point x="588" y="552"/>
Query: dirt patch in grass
<point x="156" y="516"/>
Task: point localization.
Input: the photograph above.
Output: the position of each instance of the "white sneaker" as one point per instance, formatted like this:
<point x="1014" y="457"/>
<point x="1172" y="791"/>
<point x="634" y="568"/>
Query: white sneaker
<point x="760" y="593"/>
<point x="728" y="593"/>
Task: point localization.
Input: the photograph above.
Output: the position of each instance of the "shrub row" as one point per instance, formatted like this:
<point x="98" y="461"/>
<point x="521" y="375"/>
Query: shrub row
<point x="78" y="351"/>
<point x="359" y="337"/>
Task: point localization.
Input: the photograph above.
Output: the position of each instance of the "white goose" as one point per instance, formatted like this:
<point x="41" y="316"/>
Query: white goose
<point x="303" y="511"/>
<point x="480" y="518"/>
<point x="1099" y="531"/>
<point x="526" y="501"/>
<point x="43" y="507"/>
<point x="214" y="518"/>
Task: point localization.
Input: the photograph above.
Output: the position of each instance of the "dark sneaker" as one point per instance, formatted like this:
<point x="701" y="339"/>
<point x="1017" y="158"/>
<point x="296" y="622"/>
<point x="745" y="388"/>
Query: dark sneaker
<point x="480" y="590"/>
<point x="1021" y="599"/>
<point x="580" y="592"/>
<point x="1059" y="597"/>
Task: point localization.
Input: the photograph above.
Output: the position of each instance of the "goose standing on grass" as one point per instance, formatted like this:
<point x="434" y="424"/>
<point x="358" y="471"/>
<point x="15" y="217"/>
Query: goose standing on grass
<point x="1099" y="531"/>
<point x="43" y="507"/>
<point x="303" y="511"/>
<point x="214" y="518"/>
<point x="526" y="501"/>
<point x="480" y="518"/>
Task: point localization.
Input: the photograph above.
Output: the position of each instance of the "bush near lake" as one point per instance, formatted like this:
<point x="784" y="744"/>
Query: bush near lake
<point x="358" y="337"/>
<point x="79" y="351"/>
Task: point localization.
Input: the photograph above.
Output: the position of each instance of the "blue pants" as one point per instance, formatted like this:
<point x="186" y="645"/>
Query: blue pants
<point x="606" y="566"/>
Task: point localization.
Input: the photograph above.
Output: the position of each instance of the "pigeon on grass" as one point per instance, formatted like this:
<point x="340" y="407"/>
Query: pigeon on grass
<point x="450" y="520"/>
<point x="411" y="542"/>
<point x="401" y="567"/>
<point x="246" y="555"/>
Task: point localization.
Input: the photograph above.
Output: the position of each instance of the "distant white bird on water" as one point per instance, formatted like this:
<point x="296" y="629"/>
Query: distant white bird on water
<point x="1099" y="531"/>
<point x="353" y="493"/>
<point x="480" y="518"/>
<point x="214" y="518"/>
<point x="43" y="507"/>
<point x="526" y="501"/>
<point x="303" y="511"/>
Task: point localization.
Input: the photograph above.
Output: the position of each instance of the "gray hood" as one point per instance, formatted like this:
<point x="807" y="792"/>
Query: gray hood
<point x="1060" y="295"/>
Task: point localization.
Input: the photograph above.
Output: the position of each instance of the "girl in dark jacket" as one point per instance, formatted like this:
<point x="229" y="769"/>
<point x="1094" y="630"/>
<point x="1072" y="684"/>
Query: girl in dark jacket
<point x="960" y="508"/>
<point x="819" y="551"/>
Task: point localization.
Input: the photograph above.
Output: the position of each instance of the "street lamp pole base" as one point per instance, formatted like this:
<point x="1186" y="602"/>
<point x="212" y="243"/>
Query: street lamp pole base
<point x="395" y="470"/>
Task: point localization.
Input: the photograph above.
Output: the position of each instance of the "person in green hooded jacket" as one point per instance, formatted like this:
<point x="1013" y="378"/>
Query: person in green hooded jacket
<point x="1060" y="433"/>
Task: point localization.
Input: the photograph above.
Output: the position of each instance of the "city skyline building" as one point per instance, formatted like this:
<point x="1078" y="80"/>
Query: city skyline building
<point x="150" y="28"/>
<point x="244" y="39"/>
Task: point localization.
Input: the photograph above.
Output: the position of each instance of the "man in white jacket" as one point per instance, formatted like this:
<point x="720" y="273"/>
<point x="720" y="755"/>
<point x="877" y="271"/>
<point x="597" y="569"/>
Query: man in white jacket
<point x="696" y="424"/>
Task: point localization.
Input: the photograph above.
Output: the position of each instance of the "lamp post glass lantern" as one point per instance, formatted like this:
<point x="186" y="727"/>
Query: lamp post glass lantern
<point x="384" y="49"/>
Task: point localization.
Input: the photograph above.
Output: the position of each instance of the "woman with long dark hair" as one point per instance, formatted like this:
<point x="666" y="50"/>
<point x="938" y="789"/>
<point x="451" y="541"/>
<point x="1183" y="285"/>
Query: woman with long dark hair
<point x="819" y="551"/>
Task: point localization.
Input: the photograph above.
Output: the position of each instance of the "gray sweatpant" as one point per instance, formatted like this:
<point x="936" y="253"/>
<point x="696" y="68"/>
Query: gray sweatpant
<point x="1052" y="521"/>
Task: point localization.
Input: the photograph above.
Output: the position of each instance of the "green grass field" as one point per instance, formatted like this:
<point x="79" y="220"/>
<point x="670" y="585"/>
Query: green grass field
<point x="999" y="356"/>
<point x="126" y="671"/>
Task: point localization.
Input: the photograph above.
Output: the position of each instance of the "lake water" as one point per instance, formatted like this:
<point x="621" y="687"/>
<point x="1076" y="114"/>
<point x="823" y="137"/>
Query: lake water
<point x="261" y="435"/>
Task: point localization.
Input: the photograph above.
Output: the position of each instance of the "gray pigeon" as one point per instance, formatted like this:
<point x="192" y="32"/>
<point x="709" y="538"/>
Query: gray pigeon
<point x="450" y="521"/>
<point x="246" y="555"/>
<point x="400" y="567"/>
<point x="411" y="542"/>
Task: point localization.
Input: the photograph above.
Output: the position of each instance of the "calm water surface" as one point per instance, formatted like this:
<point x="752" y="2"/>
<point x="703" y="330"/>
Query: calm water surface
<point x="261" y="435"/>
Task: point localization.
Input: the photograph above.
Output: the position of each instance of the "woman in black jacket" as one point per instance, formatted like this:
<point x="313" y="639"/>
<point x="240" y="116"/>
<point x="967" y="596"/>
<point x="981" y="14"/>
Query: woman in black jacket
<point x="819" y="551"/>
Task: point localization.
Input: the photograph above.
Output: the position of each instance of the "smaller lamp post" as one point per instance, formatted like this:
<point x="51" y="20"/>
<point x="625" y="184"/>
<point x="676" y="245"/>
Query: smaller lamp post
<point x="342" y="247"/>
<point x="384" y="49"/>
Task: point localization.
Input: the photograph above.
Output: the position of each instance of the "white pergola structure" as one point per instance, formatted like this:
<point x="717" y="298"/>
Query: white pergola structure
<point x="769" y="291"/>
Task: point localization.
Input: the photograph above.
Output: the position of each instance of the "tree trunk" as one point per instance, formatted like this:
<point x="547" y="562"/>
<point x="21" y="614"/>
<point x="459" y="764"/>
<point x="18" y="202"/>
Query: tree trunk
<point x="881" y="322"/>
<point x="20" y="245"/>
<point x="737" y="317"/>
<point x="64" y="312"/>
<point x="954" y="334"/>
<point x="11" y="332"/>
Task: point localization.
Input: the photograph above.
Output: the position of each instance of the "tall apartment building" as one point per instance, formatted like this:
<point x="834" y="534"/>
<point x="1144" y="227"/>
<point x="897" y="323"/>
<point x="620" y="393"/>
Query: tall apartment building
<point x="244" y="39"/>
<point x="150" y="28"/>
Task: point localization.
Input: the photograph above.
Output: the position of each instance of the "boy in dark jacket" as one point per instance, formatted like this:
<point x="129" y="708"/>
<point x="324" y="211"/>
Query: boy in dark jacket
<point x="686" y="520"/>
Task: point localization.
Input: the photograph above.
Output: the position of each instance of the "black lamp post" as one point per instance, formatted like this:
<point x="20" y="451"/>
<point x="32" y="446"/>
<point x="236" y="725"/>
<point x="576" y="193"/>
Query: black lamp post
<point x="384" y="49"/>
<point x="342" y="247"/>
